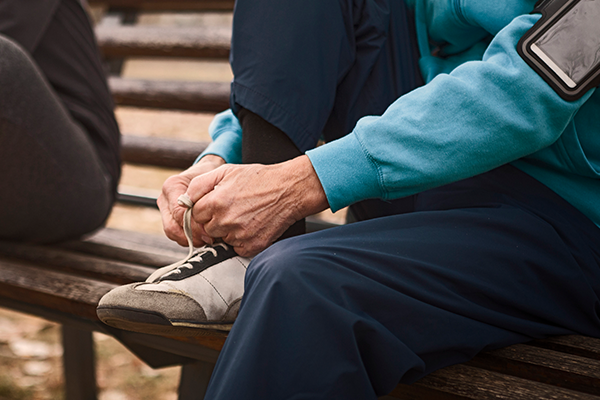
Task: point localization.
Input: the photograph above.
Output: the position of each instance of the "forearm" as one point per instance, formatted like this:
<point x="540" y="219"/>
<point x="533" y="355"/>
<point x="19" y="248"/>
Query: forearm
<point x="482" y="115"/>
<point x="303" y="187"/>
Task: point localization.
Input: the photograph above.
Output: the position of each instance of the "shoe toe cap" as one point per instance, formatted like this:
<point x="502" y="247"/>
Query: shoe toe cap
<point x="174" y="306"/>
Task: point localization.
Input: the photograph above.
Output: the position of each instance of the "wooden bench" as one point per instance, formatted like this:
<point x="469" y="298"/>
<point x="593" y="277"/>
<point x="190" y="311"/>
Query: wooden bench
<point x="64" y="282"/>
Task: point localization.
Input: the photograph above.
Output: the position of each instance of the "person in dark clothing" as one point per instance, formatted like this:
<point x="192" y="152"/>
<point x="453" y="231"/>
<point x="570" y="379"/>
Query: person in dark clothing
<point x="59" y="140"/>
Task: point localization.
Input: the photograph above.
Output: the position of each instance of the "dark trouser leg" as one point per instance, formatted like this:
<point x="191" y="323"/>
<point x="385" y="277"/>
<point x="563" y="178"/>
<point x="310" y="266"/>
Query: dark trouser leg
<point x="264" y="143"/>
<point x="312" y="69"/>
<point x="59" y="141"/>
<point x="349" y="312"/>
<point x="53" y="183"/>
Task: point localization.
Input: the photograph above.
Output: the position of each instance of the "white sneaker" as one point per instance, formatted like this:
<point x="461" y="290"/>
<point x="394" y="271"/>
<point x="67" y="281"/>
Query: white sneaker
<point x="193" y="297"/>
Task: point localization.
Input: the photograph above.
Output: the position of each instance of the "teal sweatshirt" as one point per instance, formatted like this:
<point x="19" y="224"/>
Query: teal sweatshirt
<point x="482" y="107"/>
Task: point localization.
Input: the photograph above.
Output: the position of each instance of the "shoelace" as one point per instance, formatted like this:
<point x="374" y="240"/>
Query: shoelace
<point x="185" y="201"/>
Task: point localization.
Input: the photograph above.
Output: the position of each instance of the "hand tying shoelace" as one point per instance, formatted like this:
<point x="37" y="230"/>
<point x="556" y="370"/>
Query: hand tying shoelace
<point x="184" y="200"/>
<point x="203" y="291"/>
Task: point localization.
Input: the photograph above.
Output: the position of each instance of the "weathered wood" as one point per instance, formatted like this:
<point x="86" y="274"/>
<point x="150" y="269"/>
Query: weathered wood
<point x="465" y="382"/>
<point x="543" y="365"/>
<point x="79" y="364"/>
<point x="193" y="349"/>
<point x="166" y="5"/>
<point x="194" y="380"/>
<point x="574" y="344"/>
<point x="191" y="96"/>
<point x="133" y="247"/>
<point x="51" y="289"/>
<point x="157" y="41"/>
<point x="57" y="259"/>
<point x="160" y="152"/>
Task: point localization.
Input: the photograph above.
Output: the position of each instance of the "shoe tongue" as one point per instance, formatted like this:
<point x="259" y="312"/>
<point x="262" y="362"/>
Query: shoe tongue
<point x="199" y="264"/>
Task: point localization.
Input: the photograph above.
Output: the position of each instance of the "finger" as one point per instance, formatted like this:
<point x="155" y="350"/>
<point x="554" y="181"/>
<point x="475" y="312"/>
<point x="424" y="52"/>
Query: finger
<point x="174" y="232"/>
<point x="201" y="185"/>
<point x="199" y="235"/>
<point x="171" y="190"/>
<point x="244" y="251"/>
<point x="169" y="226"/>
<point x="215" y="230"/>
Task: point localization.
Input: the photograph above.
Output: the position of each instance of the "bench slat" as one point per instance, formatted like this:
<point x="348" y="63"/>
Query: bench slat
<point x="179" y="95"/>
<point x="157" y="41"/>
<point x="543" y="365"/>
<point x="160" y="152"/>
<point x="574" y="344"/>
<point x="134" y="247"/>
<point x="53" y="258"/>
<point x="51" y="289"/>
<point x="466" y="382"/>
<point x="166" y="5"/>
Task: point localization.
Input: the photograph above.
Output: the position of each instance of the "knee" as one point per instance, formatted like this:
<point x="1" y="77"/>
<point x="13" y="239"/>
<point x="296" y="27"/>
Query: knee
<point x="283" y="265"/>
<point x="14" y="63"/>
<point x="12" y="52"/>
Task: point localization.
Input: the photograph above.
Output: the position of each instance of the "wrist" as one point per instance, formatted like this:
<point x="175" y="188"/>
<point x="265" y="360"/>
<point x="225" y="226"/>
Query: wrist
<point x="307" y="190"/>
<point x="213" y="159"/>
<point x="205" y="164"/>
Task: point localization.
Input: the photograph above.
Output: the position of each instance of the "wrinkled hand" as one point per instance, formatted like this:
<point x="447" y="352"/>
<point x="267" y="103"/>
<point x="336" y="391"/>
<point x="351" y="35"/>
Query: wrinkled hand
<point x="250" y="206"/>
<point x="172" y="212"/>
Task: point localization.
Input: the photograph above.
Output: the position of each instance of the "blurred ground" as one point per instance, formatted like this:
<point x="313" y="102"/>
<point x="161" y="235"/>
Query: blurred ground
<point x="30" y="350"/>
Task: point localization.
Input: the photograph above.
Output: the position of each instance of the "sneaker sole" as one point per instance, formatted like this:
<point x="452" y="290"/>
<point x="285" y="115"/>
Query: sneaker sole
<point x="156" y="324"/>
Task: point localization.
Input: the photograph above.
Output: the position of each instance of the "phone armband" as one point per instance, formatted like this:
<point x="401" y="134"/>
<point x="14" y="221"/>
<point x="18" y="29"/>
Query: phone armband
<point x="563" y="47"/>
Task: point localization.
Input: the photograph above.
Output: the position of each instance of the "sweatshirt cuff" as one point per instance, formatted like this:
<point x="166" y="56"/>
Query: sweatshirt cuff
<point x="226" y="134"/>
<point x="346" y="172"/>
<point x="226" y="146"/>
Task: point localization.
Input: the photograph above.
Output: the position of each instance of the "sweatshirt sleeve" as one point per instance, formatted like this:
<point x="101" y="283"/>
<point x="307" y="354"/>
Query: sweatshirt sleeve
<point x="226" y="134"/>
<point x="481" y="115"/>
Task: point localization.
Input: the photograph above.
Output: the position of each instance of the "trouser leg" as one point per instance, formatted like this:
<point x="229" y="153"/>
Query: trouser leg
<point x="53" y="183"/>
<point x="264" y="143"/>
<point x="59" y="140"/>
<point x="348" y="313"/>
<point x="313" y="68"/>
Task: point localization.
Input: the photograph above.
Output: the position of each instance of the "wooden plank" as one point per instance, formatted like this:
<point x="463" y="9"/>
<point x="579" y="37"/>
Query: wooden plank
<point x="466" y="382"/>
<point x="198" y="349"/>
<point x="574" y="344"/>
<point x="133" y="247"/>
<point x="160" y="152"/>
<point x="194" y="380"/>
<point x="55" y="290"/>
<point x="543" y="365"/>
<point x="86" y="265"/>
<point x="156" y="351"/>
<point x="165" y="5"/>
<point x="187" y="95"/>
<point x="157" y="41"/>
<point x="79" y="364"/>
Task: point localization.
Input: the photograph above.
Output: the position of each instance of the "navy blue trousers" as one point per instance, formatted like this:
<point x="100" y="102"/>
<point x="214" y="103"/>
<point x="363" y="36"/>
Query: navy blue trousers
<point x="313" y="68"/>
<point x="349" y="312"/>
